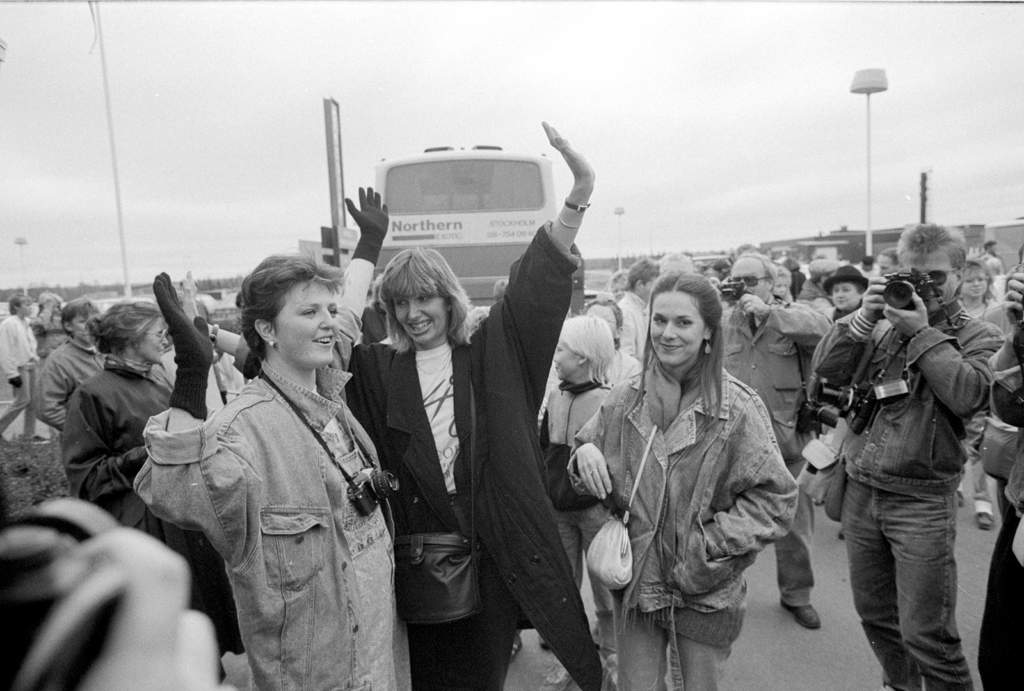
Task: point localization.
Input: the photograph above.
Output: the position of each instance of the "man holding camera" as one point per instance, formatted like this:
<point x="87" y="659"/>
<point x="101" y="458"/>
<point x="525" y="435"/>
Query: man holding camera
<point x="921" y="368"/>
<point x="768" y="343"/>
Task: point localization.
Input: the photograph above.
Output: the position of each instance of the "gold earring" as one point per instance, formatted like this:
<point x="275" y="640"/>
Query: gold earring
<point x="707" y="347"/>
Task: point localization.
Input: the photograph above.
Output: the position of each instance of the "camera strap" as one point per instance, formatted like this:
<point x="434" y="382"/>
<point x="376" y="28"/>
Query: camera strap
<point x="327" y="449"/>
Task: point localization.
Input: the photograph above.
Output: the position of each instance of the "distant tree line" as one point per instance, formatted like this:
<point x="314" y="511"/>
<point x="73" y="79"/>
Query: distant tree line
<point x="98" y="290"/>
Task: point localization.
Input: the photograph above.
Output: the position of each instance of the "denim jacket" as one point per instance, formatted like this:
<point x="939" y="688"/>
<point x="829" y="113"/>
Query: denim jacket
<point x="913" y="445"/>
<point x="775" y="361"/>
<point x="743" y="499"/>
<point x="267" y="496"/>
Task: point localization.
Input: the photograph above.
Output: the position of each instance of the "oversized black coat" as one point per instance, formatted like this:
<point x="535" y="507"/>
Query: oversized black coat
<point x="508" y="362"/>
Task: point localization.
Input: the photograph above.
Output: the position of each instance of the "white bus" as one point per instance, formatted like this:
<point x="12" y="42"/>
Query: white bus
<point x="479" y="207"/>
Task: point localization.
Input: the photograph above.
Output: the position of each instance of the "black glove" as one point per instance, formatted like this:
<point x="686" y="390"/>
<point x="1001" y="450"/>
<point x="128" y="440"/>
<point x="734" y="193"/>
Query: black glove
<point x="15" y="381"/>
<point x="193" y="351"/>
<point x="372" y="219"/>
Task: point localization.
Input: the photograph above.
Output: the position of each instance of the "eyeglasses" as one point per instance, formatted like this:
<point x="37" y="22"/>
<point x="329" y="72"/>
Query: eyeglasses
<point x="750" y="281"/>
<point x="161" y="334"/>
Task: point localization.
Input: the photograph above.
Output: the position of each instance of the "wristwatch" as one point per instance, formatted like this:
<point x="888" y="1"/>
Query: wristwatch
<point x="580" y="208"/>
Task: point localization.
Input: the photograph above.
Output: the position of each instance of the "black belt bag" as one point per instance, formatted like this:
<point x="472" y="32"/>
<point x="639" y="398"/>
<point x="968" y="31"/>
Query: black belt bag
<point x="435" y="578"/>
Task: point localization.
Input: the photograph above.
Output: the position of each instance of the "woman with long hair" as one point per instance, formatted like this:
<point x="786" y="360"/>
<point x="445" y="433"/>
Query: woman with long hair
<point x="711" y="490"/>
<point x="103" y="447"/>
<point x="976" y="290"/>
<point x="453" y="413"/>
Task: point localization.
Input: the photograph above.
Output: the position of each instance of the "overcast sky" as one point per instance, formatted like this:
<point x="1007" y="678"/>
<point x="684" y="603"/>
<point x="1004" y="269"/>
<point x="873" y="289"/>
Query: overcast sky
<point x="710" y="124"/>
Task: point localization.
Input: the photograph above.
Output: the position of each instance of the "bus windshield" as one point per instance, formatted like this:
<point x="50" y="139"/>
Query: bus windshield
<point x="464" y="186"/>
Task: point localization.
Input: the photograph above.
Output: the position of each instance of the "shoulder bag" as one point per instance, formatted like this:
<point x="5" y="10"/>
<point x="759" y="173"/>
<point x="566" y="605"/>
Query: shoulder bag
<point x="610" y="555"/>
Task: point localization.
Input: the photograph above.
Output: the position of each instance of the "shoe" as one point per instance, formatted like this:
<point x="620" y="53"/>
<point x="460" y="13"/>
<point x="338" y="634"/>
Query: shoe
<point x="36" y="440"/>
<point x="984" y="520"/>
<point x="805" y="615"/>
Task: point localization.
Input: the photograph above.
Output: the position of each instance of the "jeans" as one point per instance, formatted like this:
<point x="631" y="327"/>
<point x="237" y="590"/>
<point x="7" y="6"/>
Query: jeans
<point x="793" y="552"/>
<point x="644" y="647"/>
<point x="975" y="481"/>
<point x="577" y="529"/>
<point x="22" y="403"/>
<point x="903" y="576"/>
<point x="1002" y="634"/>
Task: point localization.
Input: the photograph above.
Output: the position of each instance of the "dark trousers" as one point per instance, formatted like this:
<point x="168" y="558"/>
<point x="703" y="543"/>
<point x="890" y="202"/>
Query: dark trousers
<point x="1002" y="626"/>
<point x="474" y="653"/>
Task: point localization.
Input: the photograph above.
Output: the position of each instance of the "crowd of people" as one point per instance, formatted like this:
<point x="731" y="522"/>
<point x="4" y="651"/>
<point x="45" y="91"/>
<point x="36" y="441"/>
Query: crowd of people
<point x="405" y="481"/>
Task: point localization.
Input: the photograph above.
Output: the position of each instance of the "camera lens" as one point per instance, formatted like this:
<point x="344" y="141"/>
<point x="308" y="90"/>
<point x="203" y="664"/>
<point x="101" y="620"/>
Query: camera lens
<point x="827" y="415"/>
<point x="899" y="294"/>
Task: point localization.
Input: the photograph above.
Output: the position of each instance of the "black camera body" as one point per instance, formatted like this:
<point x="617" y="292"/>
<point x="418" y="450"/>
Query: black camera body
<point x="732" y="289"/>
<point x="370" y="487"/>
<point x="58" y="603"/>
<point x="829" y="404"/>
<point x="901" y="286"/>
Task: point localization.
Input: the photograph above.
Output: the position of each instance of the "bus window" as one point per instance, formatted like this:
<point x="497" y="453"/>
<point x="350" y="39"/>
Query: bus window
<point x="460" y="186"/>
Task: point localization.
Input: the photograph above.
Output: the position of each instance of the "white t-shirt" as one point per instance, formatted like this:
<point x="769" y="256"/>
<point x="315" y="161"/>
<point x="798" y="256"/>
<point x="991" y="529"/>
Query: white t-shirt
<point x="437" y="383"/>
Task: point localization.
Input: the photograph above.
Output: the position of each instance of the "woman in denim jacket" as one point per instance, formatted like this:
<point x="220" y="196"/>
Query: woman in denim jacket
<point x="713" y="493"/>
<point x="267" y="478"/>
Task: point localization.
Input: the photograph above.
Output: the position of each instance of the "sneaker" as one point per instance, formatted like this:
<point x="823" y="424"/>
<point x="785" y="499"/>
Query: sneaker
<point x="36" y="440"/>
<point x="805" y="615"/>
<point x="984" y="520"/>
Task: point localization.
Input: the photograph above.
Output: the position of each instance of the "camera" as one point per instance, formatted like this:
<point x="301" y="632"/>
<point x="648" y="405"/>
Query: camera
<point x="58" y="604"/>
<point x="732" y="289"/>
<point x="900" y="288"/>
<point x="370" y="487"/>
<point x="856" y="404"/>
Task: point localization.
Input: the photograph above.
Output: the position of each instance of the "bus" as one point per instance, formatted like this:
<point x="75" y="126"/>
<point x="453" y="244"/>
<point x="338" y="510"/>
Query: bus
<point x="478" y="207"/>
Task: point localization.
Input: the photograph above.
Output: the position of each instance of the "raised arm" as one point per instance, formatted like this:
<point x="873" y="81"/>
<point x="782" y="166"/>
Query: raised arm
<point x="567" y="224"/>
<point x="372" y="219"/>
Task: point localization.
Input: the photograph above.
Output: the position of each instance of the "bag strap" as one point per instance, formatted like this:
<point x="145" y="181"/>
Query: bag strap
<point x="639" y="473"/>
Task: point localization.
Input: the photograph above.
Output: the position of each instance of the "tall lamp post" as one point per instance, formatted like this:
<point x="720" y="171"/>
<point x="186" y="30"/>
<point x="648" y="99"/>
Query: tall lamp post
<point x="21" y="242"/>
<point x="619" y="211"/>
<point x="867" y="82"/>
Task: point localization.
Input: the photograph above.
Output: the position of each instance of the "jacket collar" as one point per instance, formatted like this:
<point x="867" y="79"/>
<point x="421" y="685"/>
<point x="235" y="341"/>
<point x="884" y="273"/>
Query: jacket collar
<point x="320" y="406"/>
<point x="683" y="430"/>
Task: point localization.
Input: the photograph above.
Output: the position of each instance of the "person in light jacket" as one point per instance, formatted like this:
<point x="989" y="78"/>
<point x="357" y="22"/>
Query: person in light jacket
<point x="712" y="493"/>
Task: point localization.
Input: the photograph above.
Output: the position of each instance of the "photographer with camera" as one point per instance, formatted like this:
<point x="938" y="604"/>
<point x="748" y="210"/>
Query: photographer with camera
<point x="768" y="343"/>
<point x="1001" y="637"/>
<point x="283" y="480"/>
<point x="925" y="371"/>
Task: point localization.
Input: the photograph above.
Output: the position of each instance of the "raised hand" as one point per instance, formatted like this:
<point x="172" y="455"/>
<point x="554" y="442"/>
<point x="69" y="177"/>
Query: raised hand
<point x="193" y="351"/>
<point x="582" y="172"/>
<point x="372" y="219"/>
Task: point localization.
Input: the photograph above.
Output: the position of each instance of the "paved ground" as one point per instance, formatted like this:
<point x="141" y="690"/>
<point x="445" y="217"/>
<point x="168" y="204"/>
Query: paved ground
<point x="774" y="653"/>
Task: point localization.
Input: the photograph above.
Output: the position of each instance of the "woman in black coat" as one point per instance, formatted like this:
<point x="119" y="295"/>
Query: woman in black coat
<point x="454" y="416"/>
<point x="103" y="448"/>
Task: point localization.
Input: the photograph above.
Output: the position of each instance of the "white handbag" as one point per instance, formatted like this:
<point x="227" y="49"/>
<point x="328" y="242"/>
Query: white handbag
<point x="610" y="557"/>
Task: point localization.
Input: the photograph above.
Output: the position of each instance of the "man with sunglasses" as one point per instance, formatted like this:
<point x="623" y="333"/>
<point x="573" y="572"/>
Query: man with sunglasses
<point x="926" y="370"/>
<point x="768" y="343"/>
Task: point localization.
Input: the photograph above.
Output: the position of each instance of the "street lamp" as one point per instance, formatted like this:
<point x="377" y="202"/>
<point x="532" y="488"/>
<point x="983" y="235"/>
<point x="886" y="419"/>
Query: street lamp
<point x="21" y="242"/>
<point x="619" y="211"/>
<point x="867" y="82"/>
